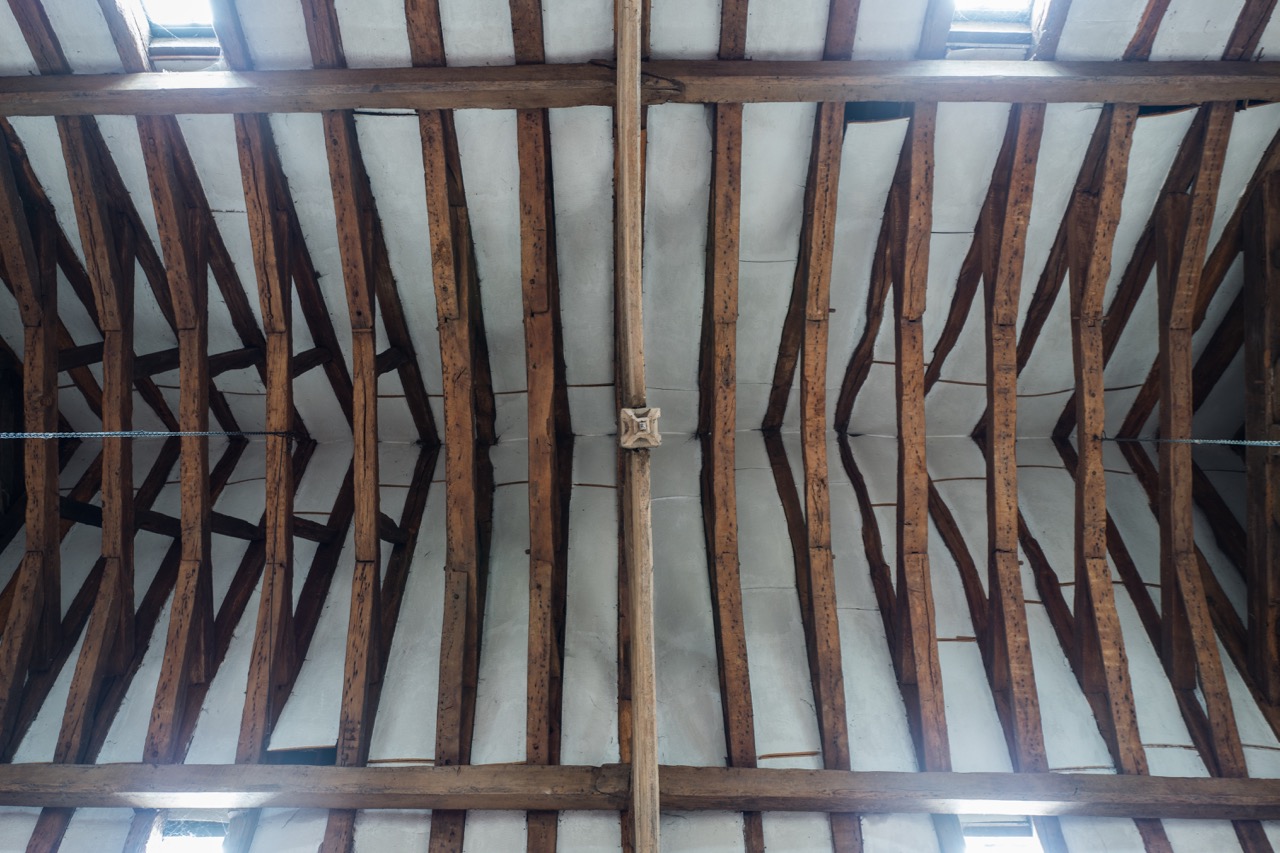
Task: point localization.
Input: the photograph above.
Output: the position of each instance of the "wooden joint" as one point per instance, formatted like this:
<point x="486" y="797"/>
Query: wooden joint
<point x="390" y="359"/>
<point x="638" y="428"/>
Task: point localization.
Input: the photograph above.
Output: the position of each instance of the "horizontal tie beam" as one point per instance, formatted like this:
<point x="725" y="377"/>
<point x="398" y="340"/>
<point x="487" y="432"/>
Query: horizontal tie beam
<point x="671" y="81"/>
<point x="561" y="788"/>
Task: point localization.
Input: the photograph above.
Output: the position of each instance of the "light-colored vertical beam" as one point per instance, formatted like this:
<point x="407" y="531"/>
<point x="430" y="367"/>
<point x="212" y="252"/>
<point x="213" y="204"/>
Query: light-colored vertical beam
<point x="636" y="511"/>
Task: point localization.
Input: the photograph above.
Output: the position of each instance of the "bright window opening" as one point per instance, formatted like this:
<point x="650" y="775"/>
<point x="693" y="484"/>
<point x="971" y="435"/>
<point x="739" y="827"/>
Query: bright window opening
<point x="993" y="10"/>
<point x="178" y="14"/>
<point x="999" y="835"/>
<point x="189" y="836"/>
<point x="990" y="29"/>
<point x="182" y="36"/>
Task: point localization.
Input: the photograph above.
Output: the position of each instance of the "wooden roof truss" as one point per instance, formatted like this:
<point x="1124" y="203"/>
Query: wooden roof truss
<point x="1191" y="620"/>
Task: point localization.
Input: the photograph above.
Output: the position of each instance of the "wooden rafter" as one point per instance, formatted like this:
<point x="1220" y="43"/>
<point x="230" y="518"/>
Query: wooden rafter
<point x="306" y="616"/>
<point x="360" y="235"/>
<point x="33" y="620"/>
<point x="1012" y="670"/>
<point x="1008" y="654"/>
<point x="467" y="421"/>
<point x="548" y="422"/>
<point x="841" y="27"/>
<point x="1181" y="239"/>
<point x="914" y="644"/>
<point x="272" y="657"/>
<point x="881" y="267"/>
<point x="1097" y="653"/>
<point x="356" y="725"/>
<point x="257" y="143"/>
<point x="717" y="419"/>
<point x="1197" y="714"/>
<point x="1229" y="336"/>
<point x="1262" y="301"/>
<point x="34" y="195"/>
<point x="915" y="648"/>
<point x="822" y="621"/>
<point x="190" y="638"/>
<point x="88" y="736"/>
<point x="1242" y="43"/>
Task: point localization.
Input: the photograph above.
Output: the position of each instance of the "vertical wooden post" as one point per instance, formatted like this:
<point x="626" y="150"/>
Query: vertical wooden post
<point x="34" y="618"/>
<point x="916" y="646"/>
<point x="637" y="520"/>
<point x="273" y="644"/>
<point x="189" y="643"/>
<point x="1262" y="423"/>
<point x="1190" y="647"/>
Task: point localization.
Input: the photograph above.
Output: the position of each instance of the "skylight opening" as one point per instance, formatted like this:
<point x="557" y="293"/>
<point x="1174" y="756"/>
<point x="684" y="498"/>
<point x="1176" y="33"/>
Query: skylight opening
<point x="182" y="35"/>
<point x="999" y="835"/>
<point x="178" y="14"/>
<point x="991" y="29"/>
<point x="189" y="836"/>
<point x="993" y="10"/>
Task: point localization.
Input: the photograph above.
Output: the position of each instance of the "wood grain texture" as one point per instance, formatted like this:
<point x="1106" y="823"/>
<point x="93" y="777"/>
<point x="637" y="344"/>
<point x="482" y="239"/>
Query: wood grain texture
<point x="1099" y="653"/>
<point x="523" y="787"/>
<point x="1011" y="668"/>
<point x="822" y="620"/>
<point x="668" y="81"/>
<point x="273" y="646"/>
<point x="33" y="620"/>
<point x="915" y="646"/>
<point x="717" y="399"/>
<point x="1262" y="347"/>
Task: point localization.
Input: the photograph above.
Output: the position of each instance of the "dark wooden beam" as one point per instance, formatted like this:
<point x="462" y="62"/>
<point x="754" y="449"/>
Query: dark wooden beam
<point x="821" y="619"/>
<point x="524" y="787"/>
<point x="1010" y="657"/>
<point x="1262" y="403"/>
<point x="258" y="145"/>
<point x="1196" y="712"/>
<point x="718" y="404"/>
<point x="1097" y="654"/>
<point x="717" y="419"/>
<point x="915" y="646"/>
<point x="1229" y="336"/>
<point x="272" y="657"/>
<point x="183" y="237"/>
<point x="95" y="616"/>
<point x="53" y="822"/>
<point x="547" y="419"/>
<point x="306" y="616"/>
<point x="668" y="81"/>
<point x="33" y="620"/>
<point x="356" y="722"/>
